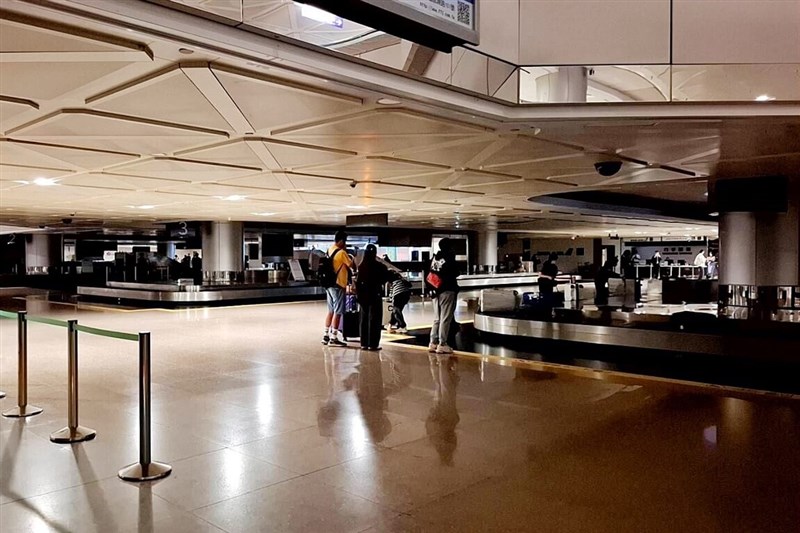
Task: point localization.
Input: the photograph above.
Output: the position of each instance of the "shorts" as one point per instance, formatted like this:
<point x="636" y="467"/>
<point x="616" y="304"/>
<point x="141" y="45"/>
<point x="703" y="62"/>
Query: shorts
<point x="335" y="300"/>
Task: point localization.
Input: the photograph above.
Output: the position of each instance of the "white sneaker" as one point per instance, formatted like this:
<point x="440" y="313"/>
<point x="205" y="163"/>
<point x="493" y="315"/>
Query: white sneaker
<point x="402" y="331"/>
<point x="443" y="348"/>
<point x="432" y="347"/>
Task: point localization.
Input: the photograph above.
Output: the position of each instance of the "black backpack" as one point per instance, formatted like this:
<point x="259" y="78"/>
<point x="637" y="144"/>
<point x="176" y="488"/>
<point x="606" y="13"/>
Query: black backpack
<point x="326" y="275"/>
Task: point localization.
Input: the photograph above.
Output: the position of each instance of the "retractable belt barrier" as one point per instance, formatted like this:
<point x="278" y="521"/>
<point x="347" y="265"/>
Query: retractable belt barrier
<point x="145" y="469"/>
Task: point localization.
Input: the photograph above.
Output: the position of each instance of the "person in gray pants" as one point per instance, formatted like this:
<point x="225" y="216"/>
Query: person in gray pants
<point x="442" y="283"/>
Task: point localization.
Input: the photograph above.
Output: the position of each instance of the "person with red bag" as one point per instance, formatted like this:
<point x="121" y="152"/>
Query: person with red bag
<point x="442" y="281"/>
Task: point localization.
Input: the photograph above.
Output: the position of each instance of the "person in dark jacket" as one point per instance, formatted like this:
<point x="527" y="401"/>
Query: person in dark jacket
<point x="607" y="271"/>
<point x="547" y="277"/>
<point x="372" y="276"/>
<point x="443" y="284"/>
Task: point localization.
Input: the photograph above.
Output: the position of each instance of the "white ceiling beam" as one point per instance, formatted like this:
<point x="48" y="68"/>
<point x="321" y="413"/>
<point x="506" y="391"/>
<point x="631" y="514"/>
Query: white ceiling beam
<point x="131" y="56"/>
<point x="208" y="84"/>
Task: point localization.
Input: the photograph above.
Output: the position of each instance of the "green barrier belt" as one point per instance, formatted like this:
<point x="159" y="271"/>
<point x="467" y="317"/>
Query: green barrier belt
<point x="7" y="314"/>
<point x="50" y="321"/>
<point x="108" y="333"/>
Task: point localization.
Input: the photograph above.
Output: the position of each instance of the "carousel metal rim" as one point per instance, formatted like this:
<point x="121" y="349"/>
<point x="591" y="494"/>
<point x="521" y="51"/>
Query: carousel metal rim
<point x="684" y="342"/>
<point x="198" y="296"/>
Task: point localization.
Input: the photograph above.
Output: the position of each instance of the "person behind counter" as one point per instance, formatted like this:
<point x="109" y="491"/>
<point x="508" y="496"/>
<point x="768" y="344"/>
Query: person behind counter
<point x="607" y="271"/>
<point x="655" y="262"/>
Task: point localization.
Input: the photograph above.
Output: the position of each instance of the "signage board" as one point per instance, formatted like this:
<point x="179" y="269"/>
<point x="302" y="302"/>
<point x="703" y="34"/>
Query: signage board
<point x="437" y="24"/>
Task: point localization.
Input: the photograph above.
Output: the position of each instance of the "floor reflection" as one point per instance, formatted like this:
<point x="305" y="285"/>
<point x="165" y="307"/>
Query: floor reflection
<point x="443" y="416"/>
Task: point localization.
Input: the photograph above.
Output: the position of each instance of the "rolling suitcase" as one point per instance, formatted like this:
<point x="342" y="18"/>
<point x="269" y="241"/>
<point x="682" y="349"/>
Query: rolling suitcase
<point x="351" y="321"/>
<point x="498" y="300"/>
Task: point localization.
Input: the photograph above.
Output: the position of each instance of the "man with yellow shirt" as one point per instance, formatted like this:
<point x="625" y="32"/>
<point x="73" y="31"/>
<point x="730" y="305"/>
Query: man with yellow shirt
<point x="342" y="265"/>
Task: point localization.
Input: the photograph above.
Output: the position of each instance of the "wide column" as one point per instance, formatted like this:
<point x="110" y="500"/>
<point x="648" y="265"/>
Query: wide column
<point x="759" y="250"/>
<point x="569" y="84"/>
<point x="42" y="251"/>
<point x="223" y="251"/>
<point x="487" y="246"/>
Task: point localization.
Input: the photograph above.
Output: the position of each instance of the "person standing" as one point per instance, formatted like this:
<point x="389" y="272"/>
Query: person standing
<point x="547" y="276"/>
<point x="656" y="264"/>
<point x="372" y="276"/>
<point x="442" y="282"/>
<point x="607" y="271"/>
<point x="701" y="261"/>
<point x="342" y="264"/>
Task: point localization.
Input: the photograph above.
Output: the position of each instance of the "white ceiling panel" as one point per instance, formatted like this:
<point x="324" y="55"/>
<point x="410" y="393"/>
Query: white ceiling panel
<point x="116" y="181"/>
<point x="11" y="109"/>
<point x="19" y="37"/>
<point x="24" y="173"/>
<point x="293" y="155"/>
<point x="527" y="148"/>
<point x="74" y="157"/>
<point x="380" y="130"/>
<point x="112" y="133"/>
<point x="269" y="103"/>
<point x="374" y="169"/>
<point x="264" y="180"/>
<point x="47" y="80"/>
<point x="170" y="97"/>
<point x="453" y="154"/>
<point x="184" y="170"/>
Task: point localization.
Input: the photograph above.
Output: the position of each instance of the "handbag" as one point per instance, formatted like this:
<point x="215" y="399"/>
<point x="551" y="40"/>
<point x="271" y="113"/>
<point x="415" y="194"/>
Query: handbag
<point x="434" y="280"/>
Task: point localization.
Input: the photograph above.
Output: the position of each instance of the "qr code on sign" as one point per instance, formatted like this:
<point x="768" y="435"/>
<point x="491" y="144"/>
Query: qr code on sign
<point x="465" y="13"/>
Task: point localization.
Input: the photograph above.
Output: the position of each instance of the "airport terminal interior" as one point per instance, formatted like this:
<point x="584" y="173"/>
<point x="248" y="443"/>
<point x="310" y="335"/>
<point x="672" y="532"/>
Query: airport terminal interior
<point x="400" y="266"/>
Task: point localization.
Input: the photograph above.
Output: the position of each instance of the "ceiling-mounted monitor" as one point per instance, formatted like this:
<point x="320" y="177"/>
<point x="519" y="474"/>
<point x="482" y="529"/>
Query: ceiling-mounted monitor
<point x="437" y="24"/>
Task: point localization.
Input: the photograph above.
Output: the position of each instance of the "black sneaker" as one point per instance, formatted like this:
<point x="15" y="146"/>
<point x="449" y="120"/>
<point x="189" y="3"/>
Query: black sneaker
<point x="336" y="342"/>
<point x="326" y="339"/>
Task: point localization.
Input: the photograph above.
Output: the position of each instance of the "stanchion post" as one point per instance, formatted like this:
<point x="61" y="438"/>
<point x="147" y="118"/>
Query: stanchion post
<point x="73" y="432"/>
<point x="22" y="409"/>
<point x="145" y="469"/>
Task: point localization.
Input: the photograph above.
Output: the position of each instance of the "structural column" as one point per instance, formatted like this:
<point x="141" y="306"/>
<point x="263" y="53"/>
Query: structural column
<point x="760" y="249"/>
<point x="223" y="250"/>
<point x="487" y="246"/>
<point x="568" y="84"/>
<point x="42" y="251"/>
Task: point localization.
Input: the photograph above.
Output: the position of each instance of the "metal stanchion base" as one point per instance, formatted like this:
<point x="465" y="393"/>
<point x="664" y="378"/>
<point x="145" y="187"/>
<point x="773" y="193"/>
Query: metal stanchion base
<point x="22" y="411"/>
<point x="148" y="472"/>
<point x="67" y="435"/>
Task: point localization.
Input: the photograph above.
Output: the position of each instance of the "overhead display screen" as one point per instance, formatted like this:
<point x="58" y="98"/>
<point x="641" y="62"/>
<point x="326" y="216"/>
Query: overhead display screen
<point x="438" y="24"/>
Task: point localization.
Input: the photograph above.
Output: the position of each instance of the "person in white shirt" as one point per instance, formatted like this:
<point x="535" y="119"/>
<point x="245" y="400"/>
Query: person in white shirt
<point x="700" y="259"/>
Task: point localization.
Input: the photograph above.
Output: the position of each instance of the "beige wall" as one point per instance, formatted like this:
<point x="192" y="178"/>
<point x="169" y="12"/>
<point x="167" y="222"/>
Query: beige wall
<point x="736" y="31"/>
<point x="585" y="32"/>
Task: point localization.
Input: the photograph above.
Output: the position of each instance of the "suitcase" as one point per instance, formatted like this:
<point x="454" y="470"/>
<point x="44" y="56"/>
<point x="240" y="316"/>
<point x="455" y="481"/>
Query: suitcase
<point x="387" y="312"/>
<point x="498" y="300"/>
<point x="351" y="324"/>
<point x="529" y="299"/>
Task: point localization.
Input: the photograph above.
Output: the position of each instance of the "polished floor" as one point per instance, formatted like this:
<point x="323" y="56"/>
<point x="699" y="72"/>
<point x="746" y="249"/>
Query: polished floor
<point x="267" y="430"/>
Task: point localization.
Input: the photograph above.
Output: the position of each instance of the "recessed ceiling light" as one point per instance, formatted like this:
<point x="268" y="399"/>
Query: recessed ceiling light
<point x="262" y="214"/>
<point x="232" y="198"/>
<point x="185" y="51"/>
<point x="714" y="214"/>
<point x="142" y="206"/>
<point x="764" y="98"/>
<point x="317" y="14"/>
<point x="388" y="101"/>
<point x="356" y="206"/>
<point x="45" y="182"/>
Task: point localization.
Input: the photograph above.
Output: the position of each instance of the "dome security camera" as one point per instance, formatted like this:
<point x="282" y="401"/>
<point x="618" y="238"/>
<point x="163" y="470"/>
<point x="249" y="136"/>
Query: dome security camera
<point x="353" y="184"/>
<point x="608" y="168"/>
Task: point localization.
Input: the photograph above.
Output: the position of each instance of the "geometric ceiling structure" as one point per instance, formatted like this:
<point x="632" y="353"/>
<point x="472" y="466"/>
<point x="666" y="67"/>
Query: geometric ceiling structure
<point x="132" y="124"/>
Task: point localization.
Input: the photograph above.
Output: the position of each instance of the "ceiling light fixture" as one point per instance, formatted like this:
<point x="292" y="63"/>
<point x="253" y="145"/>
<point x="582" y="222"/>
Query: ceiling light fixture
<point x="142" y="206"/>
<point x="317" y="14"/>
<point x="356" y="206"/>
<point x="262" y="214"/>
<point x="714" y="214"/>
<point x="232" y="198"/>
<point x="45" y="182"/>
<point x="388" y="101"/>
<point x="185" y="51"/>
<point x="764" y="98"/>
